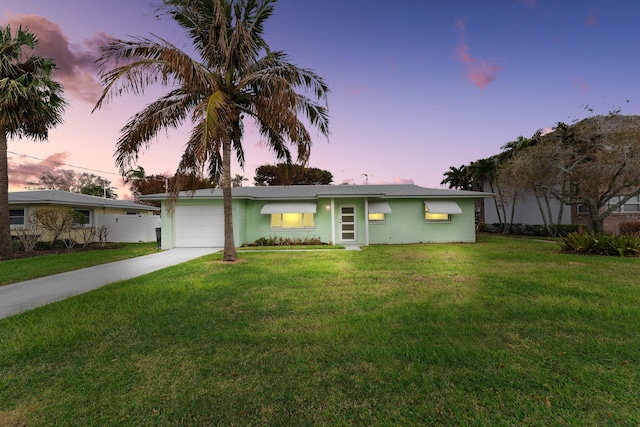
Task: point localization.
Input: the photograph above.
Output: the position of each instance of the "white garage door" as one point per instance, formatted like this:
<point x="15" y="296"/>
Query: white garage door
<point x="199" y="226"/>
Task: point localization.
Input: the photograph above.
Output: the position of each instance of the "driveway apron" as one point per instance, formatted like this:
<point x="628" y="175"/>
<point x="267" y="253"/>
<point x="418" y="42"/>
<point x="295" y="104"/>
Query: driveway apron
<point x="18" y="297"/>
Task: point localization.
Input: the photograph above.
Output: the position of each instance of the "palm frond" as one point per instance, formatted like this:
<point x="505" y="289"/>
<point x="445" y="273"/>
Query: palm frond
<point x="169" y="111"/>
<point x="146" y="63"/>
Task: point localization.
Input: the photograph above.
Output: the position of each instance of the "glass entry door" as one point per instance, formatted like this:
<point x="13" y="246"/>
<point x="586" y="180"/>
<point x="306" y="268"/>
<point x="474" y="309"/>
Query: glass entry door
<point x="348" y="223"/>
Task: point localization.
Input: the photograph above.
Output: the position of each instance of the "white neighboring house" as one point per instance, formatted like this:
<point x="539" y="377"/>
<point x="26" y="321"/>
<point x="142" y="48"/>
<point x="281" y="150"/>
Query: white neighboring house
<point x="128" y="221"/>
<point x="527" y="211"/>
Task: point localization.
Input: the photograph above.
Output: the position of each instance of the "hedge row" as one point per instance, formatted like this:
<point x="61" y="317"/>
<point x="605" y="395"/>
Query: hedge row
<point x="528" y="229"/>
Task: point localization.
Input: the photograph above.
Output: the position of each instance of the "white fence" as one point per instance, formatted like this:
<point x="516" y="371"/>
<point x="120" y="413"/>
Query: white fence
<point x="130" y="228"/>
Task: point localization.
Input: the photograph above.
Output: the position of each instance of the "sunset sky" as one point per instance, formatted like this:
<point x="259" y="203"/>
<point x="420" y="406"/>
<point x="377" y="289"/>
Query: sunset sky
<point x="416" y="86"/>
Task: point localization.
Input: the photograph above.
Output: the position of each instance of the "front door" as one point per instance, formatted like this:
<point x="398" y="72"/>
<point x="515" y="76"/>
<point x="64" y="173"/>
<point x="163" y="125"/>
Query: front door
<point x="347" y="223"/>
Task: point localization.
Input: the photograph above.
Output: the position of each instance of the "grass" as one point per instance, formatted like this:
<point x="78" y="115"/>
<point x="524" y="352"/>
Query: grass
<point x="503" y="332"/>
<point x="17" y="270"/>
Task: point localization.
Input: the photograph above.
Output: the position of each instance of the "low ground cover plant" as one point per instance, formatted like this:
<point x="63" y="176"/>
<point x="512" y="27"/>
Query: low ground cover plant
<point x="502" y="332"/>
<point x="539" y="230"/>
<point x="287" y="241"/>
<point x="590" y="243"/>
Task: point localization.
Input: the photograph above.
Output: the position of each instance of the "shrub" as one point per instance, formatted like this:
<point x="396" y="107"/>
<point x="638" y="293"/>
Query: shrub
<point x="529" y="229"/>
<point x="29" y="237"/>
<point x="286" y="241"/>
<point x="578" y="243"/>
<point x="57" y="221"/>
<point x="102" y="232"/>
<point x="630" y="228"/>
<point x="623" y="245"/>
<point x="86" y="234"/>
<point x="16" y="246"/>
<point x="601" y="244"/>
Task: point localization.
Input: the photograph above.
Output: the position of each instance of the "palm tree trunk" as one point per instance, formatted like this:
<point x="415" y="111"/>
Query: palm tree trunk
<point x="230" y="253"/>
<point x="5" y="231"/>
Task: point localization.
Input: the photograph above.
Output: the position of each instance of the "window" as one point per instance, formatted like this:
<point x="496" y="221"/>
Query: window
<point x="16" y="217"/>
<point x="87" y="215"/>
<point x="376" y="217"/>
<point x="377" y="211"/>
<point x="440" y="210"/>
<point x="435" y="216"/>
<point x="632" y="205"/>
<point x="292" y="220"/>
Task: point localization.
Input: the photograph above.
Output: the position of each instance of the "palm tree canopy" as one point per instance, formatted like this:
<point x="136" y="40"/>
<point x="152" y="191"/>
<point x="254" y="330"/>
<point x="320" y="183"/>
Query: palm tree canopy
<point x="235" y="75"/>
<point x="30" y="104"/>
<point x="30" y="100"/>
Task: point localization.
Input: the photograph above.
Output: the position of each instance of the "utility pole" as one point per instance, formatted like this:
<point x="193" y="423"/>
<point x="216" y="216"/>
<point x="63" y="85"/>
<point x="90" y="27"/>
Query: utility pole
<point x="366" y="179"/>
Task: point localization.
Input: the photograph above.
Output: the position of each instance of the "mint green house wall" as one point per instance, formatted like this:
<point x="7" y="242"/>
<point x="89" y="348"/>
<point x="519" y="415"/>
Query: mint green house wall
<point x="257" y="225"/>
<point x="406" y="224"/>
<point x="166" y="224"/>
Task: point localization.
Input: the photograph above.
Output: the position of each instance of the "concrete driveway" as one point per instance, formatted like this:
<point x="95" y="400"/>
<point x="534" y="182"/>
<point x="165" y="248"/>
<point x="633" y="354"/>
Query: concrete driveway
<point x="18" y="297"/>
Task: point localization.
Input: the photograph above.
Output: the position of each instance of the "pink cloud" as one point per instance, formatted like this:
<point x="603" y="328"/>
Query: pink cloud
<point x="75" y="62"/>
<point x="592" y="19"/>
<point x="480" y="72"/>
<point x="22" y="169"/>
<point x="357" y="90"/>
<point x="582" y="85"/>
<point x="530" y="3"/>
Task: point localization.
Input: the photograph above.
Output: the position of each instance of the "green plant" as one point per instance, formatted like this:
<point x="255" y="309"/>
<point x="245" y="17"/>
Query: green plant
<point x="630" y="228"/>
<point x="601" y="244"/>
<point x="623" y="245"/>
<point x="579" y="243"/>
<point x="286" y="241"/>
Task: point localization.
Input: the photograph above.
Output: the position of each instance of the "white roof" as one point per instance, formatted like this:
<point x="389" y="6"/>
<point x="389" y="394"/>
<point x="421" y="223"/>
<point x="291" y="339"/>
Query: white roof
<point x="292" y="192"/>
<point x="57" y="197"/>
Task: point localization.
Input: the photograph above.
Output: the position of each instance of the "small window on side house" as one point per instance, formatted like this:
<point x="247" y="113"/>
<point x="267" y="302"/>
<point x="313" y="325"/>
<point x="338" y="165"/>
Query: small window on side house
<point x="87" y="215"/>
<point x="16" y="217"/>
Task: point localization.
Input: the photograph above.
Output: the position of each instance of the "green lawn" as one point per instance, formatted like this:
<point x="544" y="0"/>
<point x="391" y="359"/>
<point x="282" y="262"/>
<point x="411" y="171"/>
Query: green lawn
<point x="503" y="332"/>
<point x="17" y="270"/>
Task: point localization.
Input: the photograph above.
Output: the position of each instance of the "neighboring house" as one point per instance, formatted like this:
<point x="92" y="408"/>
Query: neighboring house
<point x="127" y="221"/>
<point x="338" y="214"/>
<point x="527" y="211"/>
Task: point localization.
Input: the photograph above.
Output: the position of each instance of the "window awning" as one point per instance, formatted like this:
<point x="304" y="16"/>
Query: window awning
<point x="277" y="208"/>
<point x="379" y="208"/>
<point x="442" y="207"/>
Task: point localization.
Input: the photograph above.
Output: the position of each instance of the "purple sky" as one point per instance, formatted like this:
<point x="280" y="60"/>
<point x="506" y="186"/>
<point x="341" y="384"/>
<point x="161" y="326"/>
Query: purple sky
<point x="416" y="86"/>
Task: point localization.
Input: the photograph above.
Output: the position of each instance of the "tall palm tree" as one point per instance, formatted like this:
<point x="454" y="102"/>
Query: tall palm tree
<point x="30" y="104"/>
<point x="234" y="75"/>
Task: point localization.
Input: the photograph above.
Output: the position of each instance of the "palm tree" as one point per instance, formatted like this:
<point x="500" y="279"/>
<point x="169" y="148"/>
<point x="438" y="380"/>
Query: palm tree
<point x="235" y="75"/>
<point x="135" y="174"/>
<point x="30" y="104"/>
<point x="457" y="178"/>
